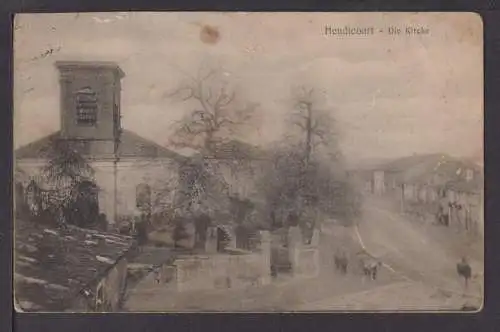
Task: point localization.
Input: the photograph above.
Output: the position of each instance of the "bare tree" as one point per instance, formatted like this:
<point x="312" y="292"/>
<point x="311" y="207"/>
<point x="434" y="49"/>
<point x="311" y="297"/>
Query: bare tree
<point x="217" y="110"/>
<point x="217" y="113"/>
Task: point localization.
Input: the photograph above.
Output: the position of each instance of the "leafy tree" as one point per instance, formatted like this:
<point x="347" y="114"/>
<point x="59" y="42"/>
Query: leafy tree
<point x="202" y="188"/>
<point x="65" y="164"/>
<point x="294" y="194"/>
<point x="240" y="208"/>
<point x="72" y="196"/>
<point x="314" y="127"/>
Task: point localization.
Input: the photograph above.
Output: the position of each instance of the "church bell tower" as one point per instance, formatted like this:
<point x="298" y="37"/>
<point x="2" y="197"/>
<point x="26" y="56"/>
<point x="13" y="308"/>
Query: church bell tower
<point x="90" y="104"/>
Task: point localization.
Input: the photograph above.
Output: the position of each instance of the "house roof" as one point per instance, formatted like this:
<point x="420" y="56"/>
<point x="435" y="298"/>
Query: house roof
<point x="53" y="265"/>
<point x="131" y="146"/>
<point x="449" y="170"/>
<point x="423" y="169"/>
<point x="403" y="164"/>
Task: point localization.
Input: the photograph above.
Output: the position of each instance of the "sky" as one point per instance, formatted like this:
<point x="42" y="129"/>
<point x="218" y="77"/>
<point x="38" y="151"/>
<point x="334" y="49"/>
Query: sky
<point x="391" y="95"/>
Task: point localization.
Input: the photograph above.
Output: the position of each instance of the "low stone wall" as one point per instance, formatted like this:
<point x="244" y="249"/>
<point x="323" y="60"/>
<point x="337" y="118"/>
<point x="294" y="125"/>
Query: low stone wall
<point x="235" y="269"/>
<point x="106" y="295"/>
<point x="306" y="262"/>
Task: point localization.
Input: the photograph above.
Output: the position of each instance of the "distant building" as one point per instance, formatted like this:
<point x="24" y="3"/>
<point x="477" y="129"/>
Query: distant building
<point x="69" y="269"/>
<point x="438" y="180"/>
<point x="129" y="170"/>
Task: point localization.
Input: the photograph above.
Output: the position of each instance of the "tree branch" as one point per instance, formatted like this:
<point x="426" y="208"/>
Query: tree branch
<point x="224" y="99"/>
<point x="300" y="125"/>
<point x="177" y="92"/>
<point x="224" y="120"/>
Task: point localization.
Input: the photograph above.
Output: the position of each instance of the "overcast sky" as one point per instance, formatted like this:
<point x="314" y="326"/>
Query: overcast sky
<point x="391" y="95"/>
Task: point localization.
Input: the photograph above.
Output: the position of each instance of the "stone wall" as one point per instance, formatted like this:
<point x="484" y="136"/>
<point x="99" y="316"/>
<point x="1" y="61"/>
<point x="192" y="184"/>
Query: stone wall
<point x="106" y="295"/>
<point x="236" y="269"/>
<point x="114" y="284"/>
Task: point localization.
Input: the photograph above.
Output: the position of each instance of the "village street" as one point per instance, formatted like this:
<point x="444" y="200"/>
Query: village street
<point x="418" y="273"/>
<point x="422" y="254"/>
<point x="285" y="293"/>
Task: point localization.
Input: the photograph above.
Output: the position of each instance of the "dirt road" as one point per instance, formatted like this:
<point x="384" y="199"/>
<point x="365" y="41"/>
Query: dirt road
<point x="420" y="252"/>
<point x="284" y="294"/>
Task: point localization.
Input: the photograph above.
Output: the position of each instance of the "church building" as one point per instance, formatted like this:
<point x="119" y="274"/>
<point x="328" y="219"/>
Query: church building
<point x="128" y="169"/>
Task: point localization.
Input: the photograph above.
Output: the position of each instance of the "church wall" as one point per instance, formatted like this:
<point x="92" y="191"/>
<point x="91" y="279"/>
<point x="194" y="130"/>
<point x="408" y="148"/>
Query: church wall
<point x="160" y="175"/>
<point x="104" y="179"/>
<point x="31" y="167"/>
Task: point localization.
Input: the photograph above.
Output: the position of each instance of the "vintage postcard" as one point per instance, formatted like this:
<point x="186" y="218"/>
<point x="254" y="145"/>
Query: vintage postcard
<point x="255" y="162"/>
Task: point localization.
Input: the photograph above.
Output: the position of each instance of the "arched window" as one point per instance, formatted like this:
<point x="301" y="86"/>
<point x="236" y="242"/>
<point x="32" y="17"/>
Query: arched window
<point x="86" y="107"/>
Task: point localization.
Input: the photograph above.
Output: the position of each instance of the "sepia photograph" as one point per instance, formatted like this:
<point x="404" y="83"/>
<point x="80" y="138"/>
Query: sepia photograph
<point x="176" y="162"/>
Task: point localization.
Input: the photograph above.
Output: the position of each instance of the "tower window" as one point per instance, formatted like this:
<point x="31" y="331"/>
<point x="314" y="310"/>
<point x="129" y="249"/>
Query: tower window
<point x="86" y="107"/>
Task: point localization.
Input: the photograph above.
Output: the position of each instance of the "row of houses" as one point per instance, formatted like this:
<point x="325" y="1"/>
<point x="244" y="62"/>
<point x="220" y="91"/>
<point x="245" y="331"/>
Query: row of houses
<point x="433" y="185"/>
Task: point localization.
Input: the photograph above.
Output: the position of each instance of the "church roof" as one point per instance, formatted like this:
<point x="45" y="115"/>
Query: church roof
<point x="235" y="149"/>
<point x="131" y="146"/>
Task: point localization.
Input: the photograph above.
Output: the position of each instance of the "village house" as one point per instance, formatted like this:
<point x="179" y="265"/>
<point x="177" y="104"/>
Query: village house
<point x="467" y="203"/>
<point x="435" y="182"/>
<point x="69" y="269"/>
<point x="129" y="171"/>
